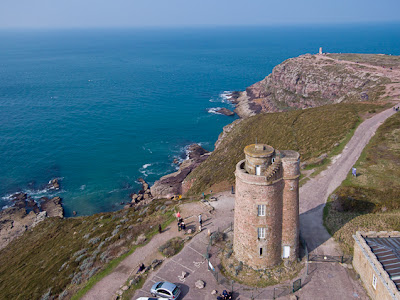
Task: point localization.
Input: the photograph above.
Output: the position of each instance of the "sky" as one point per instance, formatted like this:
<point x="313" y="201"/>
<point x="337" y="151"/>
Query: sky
<point x="185" y="13"/>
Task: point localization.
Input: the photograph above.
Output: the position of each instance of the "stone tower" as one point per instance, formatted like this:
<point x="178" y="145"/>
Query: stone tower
<point x="266" y="226"/>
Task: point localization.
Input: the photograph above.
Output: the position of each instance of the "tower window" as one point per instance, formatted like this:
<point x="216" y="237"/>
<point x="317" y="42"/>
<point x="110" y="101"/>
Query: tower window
<point x="261" y="210"/>
<point x="261" y="232"/>
<point x="273" y="160"/>
<point x="261" y="252"/>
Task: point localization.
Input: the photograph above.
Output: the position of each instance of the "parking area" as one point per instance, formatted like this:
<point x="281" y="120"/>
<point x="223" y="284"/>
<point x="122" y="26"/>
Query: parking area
<point x="191" y="261"/>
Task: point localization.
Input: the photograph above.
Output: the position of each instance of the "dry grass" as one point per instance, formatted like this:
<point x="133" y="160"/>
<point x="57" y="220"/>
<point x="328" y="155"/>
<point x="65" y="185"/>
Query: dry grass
<point x="311" y="132"/>
<point x="371" y="59"/>
<point x="61" y="255"/>
<point x="371" y="201"/>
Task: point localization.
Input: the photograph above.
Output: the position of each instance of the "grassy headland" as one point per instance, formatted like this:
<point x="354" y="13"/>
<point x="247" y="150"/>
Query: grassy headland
<point x="312" y="132"/>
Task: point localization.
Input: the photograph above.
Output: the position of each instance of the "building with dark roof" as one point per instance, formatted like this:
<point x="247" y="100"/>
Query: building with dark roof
<point x="377" y="261"/>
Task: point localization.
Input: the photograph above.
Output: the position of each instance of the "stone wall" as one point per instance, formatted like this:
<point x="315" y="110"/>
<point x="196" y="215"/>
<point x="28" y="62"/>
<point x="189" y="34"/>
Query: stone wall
<point x="366" y="265"/>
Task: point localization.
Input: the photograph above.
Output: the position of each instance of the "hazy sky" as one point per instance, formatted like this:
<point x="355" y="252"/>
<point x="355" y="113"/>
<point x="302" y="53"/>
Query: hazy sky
<point x="134" y="13"/>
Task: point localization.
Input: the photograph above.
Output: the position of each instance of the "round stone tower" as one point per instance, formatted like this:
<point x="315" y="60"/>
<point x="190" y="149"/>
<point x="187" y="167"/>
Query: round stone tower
<point x="258" y="207"/>
<point x="266" y="206"/>
<point x="290" y="213"/>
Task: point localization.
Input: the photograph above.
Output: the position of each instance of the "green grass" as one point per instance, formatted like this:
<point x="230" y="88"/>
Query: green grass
<point x="371" y="201"/>
<point x="48" y="256"/>
<point x="312" y="132"/>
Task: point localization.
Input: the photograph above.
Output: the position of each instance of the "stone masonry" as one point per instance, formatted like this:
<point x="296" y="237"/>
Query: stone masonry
<point x="267" y="206"/>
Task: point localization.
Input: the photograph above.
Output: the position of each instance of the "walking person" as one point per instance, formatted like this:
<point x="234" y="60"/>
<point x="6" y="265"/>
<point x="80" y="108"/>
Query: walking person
<point x="159" y="228"/>
<point x="200" y="222"/>
<point x="354" y="172"/>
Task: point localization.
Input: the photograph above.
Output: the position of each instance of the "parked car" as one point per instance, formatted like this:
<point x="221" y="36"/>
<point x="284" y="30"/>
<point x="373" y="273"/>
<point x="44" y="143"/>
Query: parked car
<point x="165" y="289"/>
<point x="150" y="298"/>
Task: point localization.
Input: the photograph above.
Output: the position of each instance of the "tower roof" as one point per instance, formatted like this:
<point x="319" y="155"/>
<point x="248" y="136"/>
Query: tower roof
<point x="259" y="150"/>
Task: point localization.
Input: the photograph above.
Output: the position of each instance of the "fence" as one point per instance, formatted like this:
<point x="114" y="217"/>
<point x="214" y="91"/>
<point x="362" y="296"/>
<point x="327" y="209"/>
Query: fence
<point x="237" y="289"/>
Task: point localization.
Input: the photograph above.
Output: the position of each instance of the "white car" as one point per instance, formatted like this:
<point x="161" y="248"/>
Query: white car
<point x="150" y="298"/>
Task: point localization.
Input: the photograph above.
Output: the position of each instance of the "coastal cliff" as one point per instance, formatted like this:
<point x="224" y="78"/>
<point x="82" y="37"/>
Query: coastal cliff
<point x="70" y="251"/>
<point x="310" y="81"/>
<point x="289" y="109"/>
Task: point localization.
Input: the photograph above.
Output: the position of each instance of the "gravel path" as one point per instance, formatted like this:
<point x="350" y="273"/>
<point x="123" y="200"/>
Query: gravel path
<point x="315" y="192"/>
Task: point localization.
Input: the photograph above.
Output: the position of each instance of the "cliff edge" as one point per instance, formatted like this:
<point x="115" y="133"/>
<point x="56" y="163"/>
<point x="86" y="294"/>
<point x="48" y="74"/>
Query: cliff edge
<point x="314" y="80"/>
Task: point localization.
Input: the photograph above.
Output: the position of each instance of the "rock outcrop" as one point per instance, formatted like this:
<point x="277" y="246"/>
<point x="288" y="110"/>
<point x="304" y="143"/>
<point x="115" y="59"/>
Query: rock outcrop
<point x="171" y="184"/>
<point x="16" y="220"/>
<point x="53" y="184"/>
<point x="52" y="206"/>
<point x="225" y="111"/>
<point x="309" y="81"/>
<point x="142" y="197"/>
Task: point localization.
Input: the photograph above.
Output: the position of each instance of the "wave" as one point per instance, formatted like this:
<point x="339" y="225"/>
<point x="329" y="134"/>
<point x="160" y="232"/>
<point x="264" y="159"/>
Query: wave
<point x="147" y="149"/>
<point x="214" y="110"/>
<point x="82" y="187"/>
<point x="37" y="193"/>
<point x="223" y="97"/>
<point x="226" y="96"/>
<point x="149" y="169"/>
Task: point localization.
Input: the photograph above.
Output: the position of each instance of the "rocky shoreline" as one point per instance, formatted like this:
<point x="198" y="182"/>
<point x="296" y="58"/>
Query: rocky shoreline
<point x="170" y="185"/>
<point x="26" y="213"/>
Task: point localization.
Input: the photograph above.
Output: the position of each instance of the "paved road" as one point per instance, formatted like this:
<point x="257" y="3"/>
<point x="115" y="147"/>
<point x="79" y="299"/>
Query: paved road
<point x="315" y="192"/>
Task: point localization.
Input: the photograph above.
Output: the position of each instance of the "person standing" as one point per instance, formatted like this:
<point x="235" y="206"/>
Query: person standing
<point x="200" y="222"/>
<point x="159" y="228"/>
<point x="354" y="172"/>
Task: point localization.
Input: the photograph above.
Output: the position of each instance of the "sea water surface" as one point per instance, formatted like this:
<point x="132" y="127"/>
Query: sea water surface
<point x="100" y="108"/>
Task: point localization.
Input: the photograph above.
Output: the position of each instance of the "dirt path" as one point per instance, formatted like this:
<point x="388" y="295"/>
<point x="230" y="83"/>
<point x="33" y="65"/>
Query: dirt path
<point x="315" y="192"/>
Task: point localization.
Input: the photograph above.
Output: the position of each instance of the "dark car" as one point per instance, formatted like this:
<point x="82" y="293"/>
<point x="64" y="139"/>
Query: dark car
<point x="165" y="289"/>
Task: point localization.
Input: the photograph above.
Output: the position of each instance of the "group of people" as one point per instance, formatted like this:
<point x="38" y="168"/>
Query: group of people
<point x="182" y="225"/>
<point x="396" y="108"/>
<point x="225" y="295"/>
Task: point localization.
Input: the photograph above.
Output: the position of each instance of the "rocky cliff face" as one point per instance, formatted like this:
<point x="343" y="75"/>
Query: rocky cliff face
<point x="310" y="81"/>
<point x="171" y="184"/>
<point x="16" y="220"/>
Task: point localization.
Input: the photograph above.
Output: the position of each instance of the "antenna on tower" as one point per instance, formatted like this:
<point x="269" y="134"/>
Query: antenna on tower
<point x="256" y="141"/>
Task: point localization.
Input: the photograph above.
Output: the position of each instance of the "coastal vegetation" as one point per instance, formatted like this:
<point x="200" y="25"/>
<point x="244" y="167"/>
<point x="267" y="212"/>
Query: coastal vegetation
<point x="311" y="132"/>
<point x="62" y="256"/>
<point x="370" y="201"/>
<point x="380" y="60"/>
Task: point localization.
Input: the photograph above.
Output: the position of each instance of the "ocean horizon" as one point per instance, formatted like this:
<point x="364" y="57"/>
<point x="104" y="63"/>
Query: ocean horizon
<point x="99" y="108"/>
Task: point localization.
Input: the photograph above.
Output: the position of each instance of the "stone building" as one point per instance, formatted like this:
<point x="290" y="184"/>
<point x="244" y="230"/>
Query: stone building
<point x="377" y="260"/>
<point x="266" y="226"/>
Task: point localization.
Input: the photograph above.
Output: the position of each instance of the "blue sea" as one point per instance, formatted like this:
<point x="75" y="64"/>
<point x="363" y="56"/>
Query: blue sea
<point x="99" y="108"/>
